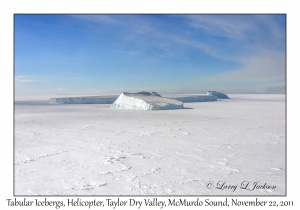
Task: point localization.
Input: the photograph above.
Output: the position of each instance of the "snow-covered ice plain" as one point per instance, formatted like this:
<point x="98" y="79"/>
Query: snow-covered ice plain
<point x="92" y="149"/>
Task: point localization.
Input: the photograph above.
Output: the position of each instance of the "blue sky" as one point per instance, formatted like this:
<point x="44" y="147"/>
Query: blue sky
<point x="103" y="54"/>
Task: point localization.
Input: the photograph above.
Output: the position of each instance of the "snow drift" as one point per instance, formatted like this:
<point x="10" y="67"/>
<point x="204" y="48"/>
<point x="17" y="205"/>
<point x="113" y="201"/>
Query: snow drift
<point x="146" y="101"/>
<point x="217" y="94"/>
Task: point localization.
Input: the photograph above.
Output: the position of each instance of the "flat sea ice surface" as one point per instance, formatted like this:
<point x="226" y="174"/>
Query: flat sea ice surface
<point x="92" y="149"/>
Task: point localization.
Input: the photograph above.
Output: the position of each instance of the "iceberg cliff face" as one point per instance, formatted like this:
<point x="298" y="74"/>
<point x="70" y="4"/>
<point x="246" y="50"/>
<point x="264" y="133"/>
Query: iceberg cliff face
<point x="145" y="101"/>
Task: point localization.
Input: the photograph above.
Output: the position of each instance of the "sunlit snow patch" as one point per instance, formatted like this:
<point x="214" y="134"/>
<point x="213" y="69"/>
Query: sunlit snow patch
<point x="146" y="101"/>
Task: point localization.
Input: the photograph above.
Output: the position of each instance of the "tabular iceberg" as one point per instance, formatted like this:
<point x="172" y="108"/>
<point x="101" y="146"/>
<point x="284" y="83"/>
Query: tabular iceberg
<point x="217" y="94"/>
<point x="187" y="98"/>
<point x="146" y="101"/>
<point x="85" y="100"/>
<point x="193" y="98"/>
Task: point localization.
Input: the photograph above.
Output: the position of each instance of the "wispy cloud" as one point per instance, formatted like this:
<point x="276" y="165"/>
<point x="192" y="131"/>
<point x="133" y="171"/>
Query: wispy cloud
<point x="223" y="25"/>
<point x="263" y="68"/>
<point x="247" y="30"/>
<point x="129" y="52"/>
<point x="139" y="35"/>
<point x="24" y="79"/>
<point x="98" y="18"/>
<point x="257" y="36"/>
<point x="176" y="49"/>
<point x="66" y="72"/>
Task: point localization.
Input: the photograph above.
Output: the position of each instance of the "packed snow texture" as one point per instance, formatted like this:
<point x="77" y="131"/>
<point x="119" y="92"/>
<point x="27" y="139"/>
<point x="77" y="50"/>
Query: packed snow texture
<point x="84" y="100"/>
<point x="145" y="101"/>
<point x="217" y="94"/>
<point x="91" y="149"/>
